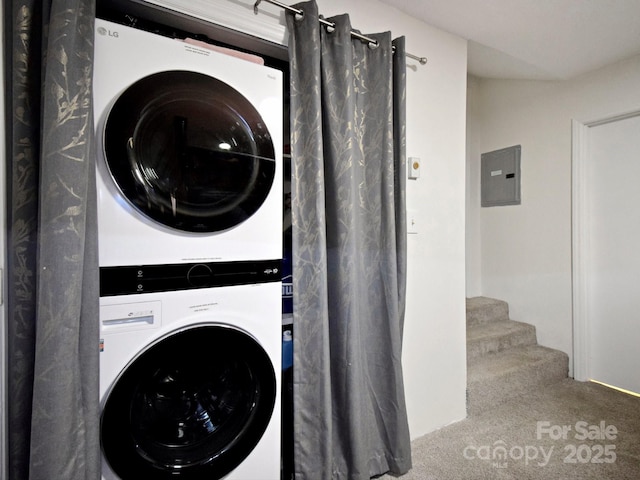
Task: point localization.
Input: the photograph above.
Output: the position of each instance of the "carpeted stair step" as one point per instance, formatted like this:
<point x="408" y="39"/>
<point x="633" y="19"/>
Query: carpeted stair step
<point x="484" y="309"/>
<point x="495" y="378"/>
<point x="492" y="337"/>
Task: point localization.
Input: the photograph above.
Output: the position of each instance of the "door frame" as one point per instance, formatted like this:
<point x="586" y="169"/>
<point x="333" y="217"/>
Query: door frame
<point x="580" y="239"/>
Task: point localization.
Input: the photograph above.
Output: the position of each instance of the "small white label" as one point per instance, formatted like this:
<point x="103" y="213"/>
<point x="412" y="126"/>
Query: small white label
<point x="495" y="173"/>
<point x="414" y="168"/>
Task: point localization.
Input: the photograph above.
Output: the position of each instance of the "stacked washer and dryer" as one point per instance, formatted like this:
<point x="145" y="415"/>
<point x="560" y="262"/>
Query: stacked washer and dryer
<point x="189" y="185"/>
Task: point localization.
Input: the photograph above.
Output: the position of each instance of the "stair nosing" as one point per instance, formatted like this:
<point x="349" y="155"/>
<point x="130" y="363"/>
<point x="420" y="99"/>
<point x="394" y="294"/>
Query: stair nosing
<point x="475" y="371"/>
<point x="517" y="326"/>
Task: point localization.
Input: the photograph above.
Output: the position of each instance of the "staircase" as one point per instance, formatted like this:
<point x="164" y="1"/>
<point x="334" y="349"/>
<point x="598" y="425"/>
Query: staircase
<point x="504" y="359"/>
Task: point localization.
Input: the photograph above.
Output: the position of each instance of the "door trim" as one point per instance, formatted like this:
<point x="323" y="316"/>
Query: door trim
<point x="580" y="132"/>
<point x="580" y="239"/>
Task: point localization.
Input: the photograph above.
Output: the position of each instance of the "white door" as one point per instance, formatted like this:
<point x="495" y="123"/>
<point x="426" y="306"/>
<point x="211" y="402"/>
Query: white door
<point x="612" y="260"/>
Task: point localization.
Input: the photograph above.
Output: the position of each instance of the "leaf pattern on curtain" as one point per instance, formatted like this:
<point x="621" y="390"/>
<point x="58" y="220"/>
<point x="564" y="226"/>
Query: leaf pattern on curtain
<point x="349" y="252"/>
<point x="52" y="260"/>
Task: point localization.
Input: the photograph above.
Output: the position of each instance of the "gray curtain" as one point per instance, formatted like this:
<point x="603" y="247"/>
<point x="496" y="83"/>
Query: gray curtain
<point x="53" y="405"/>
<point x="349" y="251"/>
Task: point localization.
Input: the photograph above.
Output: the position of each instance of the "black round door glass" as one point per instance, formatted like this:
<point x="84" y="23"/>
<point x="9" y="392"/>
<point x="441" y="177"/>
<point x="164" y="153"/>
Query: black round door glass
<point x="192" y="406"/>
<point x="189" y="151"/>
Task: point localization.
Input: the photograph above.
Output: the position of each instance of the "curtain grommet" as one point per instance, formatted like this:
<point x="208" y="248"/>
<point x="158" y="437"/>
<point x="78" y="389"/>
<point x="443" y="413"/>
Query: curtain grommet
<point x="328" y="26"/>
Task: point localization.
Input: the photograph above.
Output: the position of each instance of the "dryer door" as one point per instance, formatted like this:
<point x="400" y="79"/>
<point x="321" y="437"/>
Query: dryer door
<point x="193" y="405"/>
<point x="189" y="151"/>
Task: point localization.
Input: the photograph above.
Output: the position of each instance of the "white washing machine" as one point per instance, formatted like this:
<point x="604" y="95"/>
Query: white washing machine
<point x="190" y="383"/>
<point x="189" y="144"/>
<point x="190" y="232"/>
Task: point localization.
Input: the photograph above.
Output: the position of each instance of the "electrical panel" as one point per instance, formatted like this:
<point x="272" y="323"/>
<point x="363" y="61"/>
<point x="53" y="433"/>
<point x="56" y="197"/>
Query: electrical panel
<point x="500" y="177"/>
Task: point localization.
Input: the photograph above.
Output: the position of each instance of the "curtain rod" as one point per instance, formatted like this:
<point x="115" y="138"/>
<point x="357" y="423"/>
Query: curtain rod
<point x="330" y="25"/>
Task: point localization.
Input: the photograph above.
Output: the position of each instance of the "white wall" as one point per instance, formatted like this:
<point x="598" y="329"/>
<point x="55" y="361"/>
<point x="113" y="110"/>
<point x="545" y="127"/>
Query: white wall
<point x="525" y="250"/>
<point x="434" y="356"/>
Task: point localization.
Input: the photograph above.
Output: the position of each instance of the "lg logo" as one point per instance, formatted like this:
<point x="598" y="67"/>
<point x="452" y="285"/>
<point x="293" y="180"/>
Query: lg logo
<point x="103" y="31"/>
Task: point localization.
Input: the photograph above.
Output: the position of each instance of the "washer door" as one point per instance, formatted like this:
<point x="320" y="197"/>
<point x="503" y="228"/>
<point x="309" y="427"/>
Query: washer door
<point x="189" y="151"/>
<point x="193" y="405"/>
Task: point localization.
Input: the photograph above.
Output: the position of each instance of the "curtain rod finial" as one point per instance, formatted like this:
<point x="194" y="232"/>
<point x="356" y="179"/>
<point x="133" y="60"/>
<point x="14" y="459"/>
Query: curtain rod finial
<point x="421" y="60"/>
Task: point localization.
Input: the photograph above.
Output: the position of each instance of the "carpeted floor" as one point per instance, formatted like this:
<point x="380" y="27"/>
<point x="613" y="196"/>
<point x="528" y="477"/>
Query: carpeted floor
<point x="570" y="430"/>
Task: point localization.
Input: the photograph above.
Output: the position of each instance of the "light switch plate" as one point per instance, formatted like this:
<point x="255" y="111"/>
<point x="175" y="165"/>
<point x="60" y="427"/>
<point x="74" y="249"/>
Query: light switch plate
<point x="412" y="222"/>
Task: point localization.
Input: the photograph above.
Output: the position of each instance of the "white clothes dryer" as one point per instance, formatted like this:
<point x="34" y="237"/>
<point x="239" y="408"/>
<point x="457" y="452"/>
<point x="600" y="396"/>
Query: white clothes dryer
<point x="189" y="145"/>
<point x="190" y="382"/>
